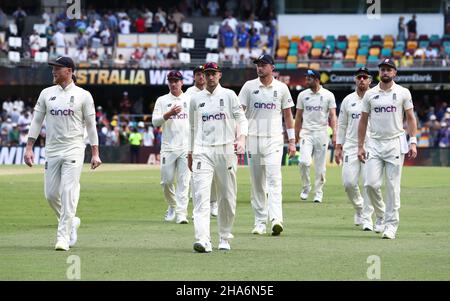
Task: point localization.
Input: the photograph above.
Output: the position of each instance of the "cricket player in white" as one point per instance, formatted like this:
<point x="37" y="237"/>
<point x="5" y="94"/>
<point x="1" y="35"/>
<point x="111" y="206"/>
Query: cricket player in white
<point x="314" y="106"/>
<point x="199" y="85"/>
<point x="67" y="109"/>
<point x="347" y="152"/>
<point x="385" y="105"/>
<point x="171" y="112"/>
<point x="265" y="101"/>
<point x="213" y="115"/>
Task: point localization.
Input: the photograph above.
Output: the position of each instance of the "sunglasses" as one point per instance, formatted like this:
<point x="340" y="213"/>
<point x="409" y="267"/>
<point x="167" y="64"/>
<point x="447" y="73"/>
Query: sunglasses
<point x="362" y="77"/>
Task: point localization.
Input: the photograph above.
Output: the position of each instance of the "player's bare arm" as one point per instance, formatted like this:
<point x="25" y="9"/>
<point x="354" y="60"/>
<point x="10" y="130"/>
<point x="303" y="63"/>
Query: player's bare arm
<point x="412" y="131"/>
<point x="289" y="121"/>
<point x="362" y="128"/>
<point x="298" y="124"/>
<point x="29" y="155"/>
<point x="333" y="119"/>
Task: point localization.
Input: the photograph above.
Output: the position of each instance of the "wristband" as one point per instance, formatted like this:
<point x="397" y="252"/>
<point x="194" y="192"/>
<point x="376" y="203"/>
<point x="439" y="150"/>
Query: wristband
<point x="290" y="133"/>
<point x="412" y="140"/>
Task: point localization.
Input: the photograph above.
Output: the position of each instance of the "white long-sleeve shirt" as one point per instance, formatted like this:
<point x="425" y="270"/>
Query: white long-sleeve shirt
<point x="348" y="121"/>
<point x="213" y="118"/>
<point x="67" y="112"/>
<point x="175" y="130"/>
<point x="264" y="106"/>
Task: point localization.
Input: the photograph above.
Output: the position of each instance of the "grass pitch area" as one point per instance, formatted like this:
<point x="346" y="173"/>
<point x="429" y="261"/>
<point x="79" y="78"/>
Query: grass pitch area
<point x="123" y="235"/>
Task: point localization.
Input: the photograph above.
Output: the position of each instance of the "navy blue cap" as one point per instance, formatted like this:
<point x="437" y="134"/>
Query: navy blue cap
<point x="387" y="62"/>
<point x="313" y="73"/>
<point x="63" y="61"/>
<point x="265" y="58"/>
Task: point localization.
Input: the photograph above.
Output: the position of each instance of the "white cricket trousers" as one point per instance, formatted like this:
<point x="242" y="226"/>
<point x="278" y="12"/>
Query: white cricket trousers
<point x="62" y="190"/>
<point x="313" y="145"/>
<point x="218" y="163"/>
<point x="264" y="156"/>
<point x="385" y="157"/>
<point x="352" y="171"/>
<point x="174" y="166"/>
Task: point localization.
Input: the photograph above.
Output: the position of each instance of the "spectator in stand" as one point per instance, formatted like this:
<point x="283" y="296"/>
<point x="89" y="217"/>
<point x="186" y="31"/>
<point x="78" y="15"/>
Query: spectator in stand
<point x="412" y="28"/>
<point x="23" y="138"/>
<point x="228" y="36"/>
<point x="178" y="17"/>
<point x="407" y="60"/>
<point x="120" y="62"/>
<point x="24" y="120"/>
<point x="34" y="43"/>
<point x="213" y="8"/>
<point x="172" y="54"/>
<point x="14" y="135"/>
<point x="81" y="41"/>
<point x="124" y="25"/>
<point x="303" y="49"/>
<point x="81" y="55"/>
<point x="327" y="54"/>
<point x="171" y="26"/>
<point x="125" y="104"/>
<point x="255" y="38"/>
<point x="107" y="37"/>
<point x="94" y="60"/>
<point x="135" y="140"/>
<point x="137" y="54"/>
<point x="3" y="20"/>
<point x="252" y="23"/>
<point x="148" y="136"/>
<point x="90" y="32"/>
<point x="157" y="25"/>
<point x="242" y="37"/>
<point x="81" y="25"/>
<point x="59" y="40"/>
<point x="15" y="115"/>
<point x="138" y="106"/>
<point x="338" y="54"/>
<point x="140" y="24"/>
<point x="19" y="16"/>
<point x="431" y="53"/>
<point x="146" y="62"/>
<point x="401" y="29"/>
<point x="148" y="16"/>
<point x="162" y="15"/>
<point x="231" y="21"/>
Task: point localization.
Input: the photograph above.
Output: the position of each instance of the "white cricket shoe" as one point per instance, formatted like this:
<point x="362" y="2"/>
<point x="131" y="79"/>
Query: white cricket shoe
<point x="202" y="247"/>
<point x="357" y="218"/>
<point x="73" y="234"/>
<point x="182" y="220"/>
<point x="277" y="228"/>
<point x="367" y="227"/>
<point x="317" y="199"/>
<point x="224" y="244"/>
<point x="214" y="209"/>
<point x="259" y="229"/>
<point x="379" y="225"/>
<point x="62" y="246"/>
<point x="304" y="194"/>
<point x="170" y="214"/>
<point x="389" y="233"/>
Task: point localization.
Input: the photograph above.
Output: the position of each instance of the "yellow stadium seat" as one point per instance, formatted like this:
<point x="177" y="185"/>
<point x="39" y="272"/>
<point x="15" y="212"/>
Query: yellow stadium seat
<point x="388" y="44"/>
<point x="361" y="59"/>
<point x="136" y="45"/>
<point x="282" y="53"/>
<point x="353" y="38"/>
<point x="388" y="37"/>
<point x="292" y="59"/>
<point x="302" y="65"/>
<point x="122" y="45"/>
<point x="374" y="51"/>
<point x="411" y="45"/>
<point x="319" y="39"/>
<point x="350" y="56"/>
<point x="316" y="52"/>
<point x="314" y="66"/>
<point x="353" y="44"/>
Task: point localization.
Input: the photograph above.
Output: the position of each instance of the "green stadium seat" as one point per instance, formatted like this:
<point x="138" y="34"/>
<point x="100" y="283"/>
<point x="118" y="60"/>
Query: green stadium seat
<point x="424" y="44"/>
<point x="364" y="38"/>
<point x="293" y="51"/>
<point x="400" y="44"/>
<point x="364" y="43"/>
<point x="308" y="38"/>
<point x="280" y="66"/>
<point x="386" y="52"/>
<point x="447" y="50"/>
<point x="291" y="66"/>
<point x="363" y="51"/>
<point x="434" y="37"/>
<point x="341" y="45"/>
<point x="446" y="44"/>
<point x="338" y="64"/>
<point x="372" y="58"/>
<point x="359" y="65"/>
<point x="318" y="45"/>
<point x="330" y="38"/>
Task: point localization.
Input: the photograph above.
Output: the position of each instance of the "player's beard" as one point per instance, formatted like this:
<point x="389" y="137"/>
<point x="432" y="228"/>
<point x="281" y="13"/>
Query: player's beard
<point x="386" y="79"/>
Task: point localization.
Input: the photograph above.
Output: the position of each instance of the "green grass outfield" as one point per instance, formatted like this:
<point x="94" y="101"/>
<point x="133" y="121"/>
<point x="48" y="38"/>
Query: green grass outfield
<point x="123" y="236"/>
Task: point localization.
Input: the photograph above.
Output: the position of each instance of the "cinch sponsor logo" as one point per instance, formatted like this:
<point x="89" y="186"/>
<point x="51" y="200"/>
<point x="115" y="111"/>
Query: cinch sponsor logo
<point x="67" y="112"/>
<point x="218" y="116"/>
<point x="267" y="106"/>
<point x="313" y="108"/>
<point x="179" y="116"/>
<point x="356" y="115"/>
<point x="387" y="109"/>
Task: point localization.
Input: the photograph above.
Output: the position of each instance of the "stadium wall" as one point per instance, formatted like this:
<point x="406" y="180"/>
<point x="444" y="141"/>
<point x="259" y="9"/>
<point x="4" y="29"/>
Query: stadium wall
<point x="151" y="156"/>
<point x="354" y="24"/>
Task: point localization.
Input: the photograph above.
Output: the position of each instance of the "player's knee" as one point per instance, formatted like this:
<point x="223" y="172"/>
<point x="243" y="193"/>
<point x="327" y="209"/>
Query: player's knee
<point x="350" y="184"/>
<point x="304" y="163"/>
<point x="52" y="196"/>
<point x="372" y="185"/>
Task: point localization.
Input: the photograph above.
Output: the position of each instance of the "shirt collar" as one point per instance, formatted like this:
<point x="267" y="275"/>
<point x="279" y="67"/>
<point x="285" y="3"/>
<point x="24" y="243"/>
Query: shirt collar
<point x="68" y="87"/>
<point x="388" y="90"/>
<point x="216" y="90"/>
<point x="318" y="91"/>
<point x="262" y="85"/>
<point x="176" y="97"/>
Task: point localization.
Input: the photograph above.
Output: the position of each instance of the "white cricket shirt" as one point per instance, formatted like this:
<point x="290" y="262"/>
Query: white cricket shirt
<point x="175" y="130"/>
<point x="386" y="109"/>
<point x="65" y="111"/>
<point x="316" y="108"/>
<point x="213" y="118"/>
<point x="264" y="105"/>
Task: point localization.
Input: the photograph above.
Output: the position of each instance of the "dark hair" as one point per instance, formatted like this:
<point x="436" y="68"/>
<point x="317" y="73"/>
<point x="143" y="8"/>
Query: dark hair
<point x="74" y="78"/>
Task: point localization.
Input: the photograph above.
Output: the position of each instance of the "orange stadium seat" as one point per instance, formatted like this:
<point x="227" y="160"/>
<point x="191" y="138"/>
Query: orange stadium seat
<point x="353" y="38"/>
<point x="303" y="65"/>
<point x="292" y="59"/>
<point x="282" y="53"/>
<point x="295" y="39"/>
<point x="361" y="59"/>
<point x="319" y="38"/>
<point x="411" y="45"/>
<point x="388" y="44"/>
<point x="314" y="66"/>
<point x="316" y="52"/>
<point x="375" y="51"/>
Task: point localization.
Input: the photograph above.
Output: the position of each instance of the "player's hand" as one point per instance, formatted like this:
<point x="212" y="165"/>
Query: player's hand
<point x="176" y="109"/>
<point x="338" y="154"/>
<point x="333" y="140"/>
<point x="240" y="145"/>
<point x="291" y="149"/>
<point x="29" y="157"/>
<point x="412" y="154"/>
<point x="95" y="162"/>
<point x="362" y="154"/>
<point x="189" y="157"/>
